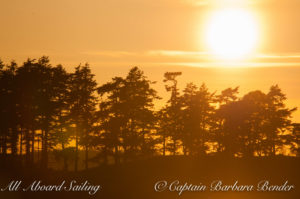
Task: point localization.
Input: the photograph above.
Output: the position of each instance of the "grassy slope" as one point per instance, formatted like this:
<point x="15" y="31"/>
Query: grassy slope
<point x="137" y="179"/>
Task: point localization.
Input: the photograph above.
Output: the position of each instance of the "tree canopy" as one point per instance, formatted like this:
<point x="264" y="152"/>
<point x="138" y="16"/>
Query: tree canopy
<point x="45" y="110"/>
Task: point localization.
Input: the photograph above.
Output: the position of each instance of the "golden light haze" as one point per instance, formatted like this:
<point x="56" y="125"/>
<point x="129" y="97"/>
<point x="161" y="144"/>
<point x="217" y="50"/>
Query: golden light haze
<point x="160" y="36"/>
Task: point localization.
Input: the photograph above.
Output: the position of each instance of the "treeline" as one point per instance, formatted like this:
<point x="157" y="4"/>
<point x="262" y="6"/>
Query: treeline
<point x="45" y="109"/>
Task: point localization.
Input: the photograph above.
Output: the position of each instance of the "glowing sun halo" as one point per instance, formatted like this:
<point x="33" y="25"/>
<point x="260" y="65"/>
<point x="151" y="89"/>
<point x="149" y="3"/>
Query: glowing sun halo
<point x="231" y="33"/>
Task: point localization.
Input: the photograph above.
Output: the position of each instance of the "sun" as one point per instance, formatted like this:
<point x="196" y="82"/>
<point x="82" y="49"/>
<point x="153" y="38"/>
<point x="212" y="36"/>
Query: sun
<point x="231" y="33"/>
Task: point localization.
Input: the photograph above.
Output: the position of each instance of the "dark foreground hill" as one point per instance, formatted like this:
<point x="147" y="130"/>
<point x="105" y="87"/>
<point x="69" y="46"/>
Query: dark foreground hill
<point x="169" y="176"/>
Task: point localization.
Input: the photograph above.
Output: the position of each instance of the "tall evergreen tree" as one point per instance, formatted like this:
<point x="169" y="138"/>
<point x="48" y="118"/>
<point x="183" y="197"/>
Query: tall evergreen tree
<point x="226" y="97"/>
<point x="127" y="114"/>
<point x="295" y="139"/>
<point x="278" y="120"/>
<point x="8" y="109"/>
<point x="82" y="102"/>
<point x="61" y="126"/>
<point x="256" y="124"/>
<point x="172" y="117"/>
<point x="197" y="119"/>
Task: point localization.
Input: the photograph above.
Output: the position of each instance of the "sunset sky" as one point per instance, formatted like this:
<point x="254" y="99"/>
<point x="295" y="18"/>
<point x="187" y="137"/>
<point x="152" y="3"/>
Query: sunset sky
<point x="224" y="43"/>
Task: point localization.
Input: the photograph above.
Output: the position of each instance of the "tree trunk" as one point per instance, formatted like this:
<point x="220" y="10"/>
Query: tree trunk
<point x="45" y="149"/>
<point x="21" y="143"/>
<point x="65" y="167"/>
<point x="164" y="145"/>
<point x="184" y="150"/>
<point x="1" y="143"/>
<point x="4" y="150"/>
<point x="117" y="157"/>
<point x="38" y="149"/>
<point x="27" y="145"/>
<point x="32" y="146"/>
<point x="14" y="141"/>
<point x="105" y="159"/>
<point x="76" y="149"/>
<point x="86" y="157"/>
<point x="174" y="147"/>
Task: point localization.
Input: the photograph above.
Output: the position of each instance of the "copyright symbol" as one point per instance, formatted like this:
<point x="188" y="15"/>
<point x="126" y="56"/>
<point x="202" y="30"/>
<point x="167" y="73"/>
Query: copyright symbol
<point x="160" y="186"/>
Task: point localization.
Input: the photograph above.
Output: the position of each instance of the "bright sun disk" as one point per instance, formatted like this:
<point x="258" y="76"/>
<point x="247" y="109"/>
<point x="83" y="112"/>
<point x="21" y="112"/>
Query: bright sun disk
<point x="231" y="33"/>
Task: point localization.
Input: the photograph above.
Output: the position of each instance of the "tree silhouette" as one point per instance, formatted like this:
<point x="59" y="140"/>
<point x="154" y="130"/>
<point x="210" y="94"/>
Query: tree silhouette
<point x="226" y="97"/>
<point x="255" y="124"/>
<point x="35" y="111"/>
<point x="82" y="102"/>
<point x="61" y="123"/>
<point x="197" y="117"/>
<point x="8" y="109"/>
<point x="127" y="115"/>
<point x="278" y="120"/>
<point x="39" y="87"/>
<point x="45" y="111"/>
<point x="295" y="139"/>
<point x="172" y="117"/>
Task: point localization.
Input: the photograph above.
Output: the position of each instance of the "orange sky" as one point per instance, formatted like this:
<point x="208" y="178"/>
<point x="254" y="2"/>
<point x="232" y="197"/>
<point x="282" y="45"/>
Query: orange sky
<point x="158" y="36"/>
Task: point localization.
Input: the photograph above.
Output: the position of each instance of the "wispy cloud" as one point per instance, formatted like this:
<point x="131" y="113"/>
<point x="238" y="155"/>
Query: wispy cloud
<point x="232" y="64"/>
<point x="220" y="2"/>
<point x="175" y="53"/>
<point x="278" y="56"/>
<point x="196" y="2"/>
<point x="192" y="58"/>
<point x="110" y="53"/>
<point x="150" y="53"/>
